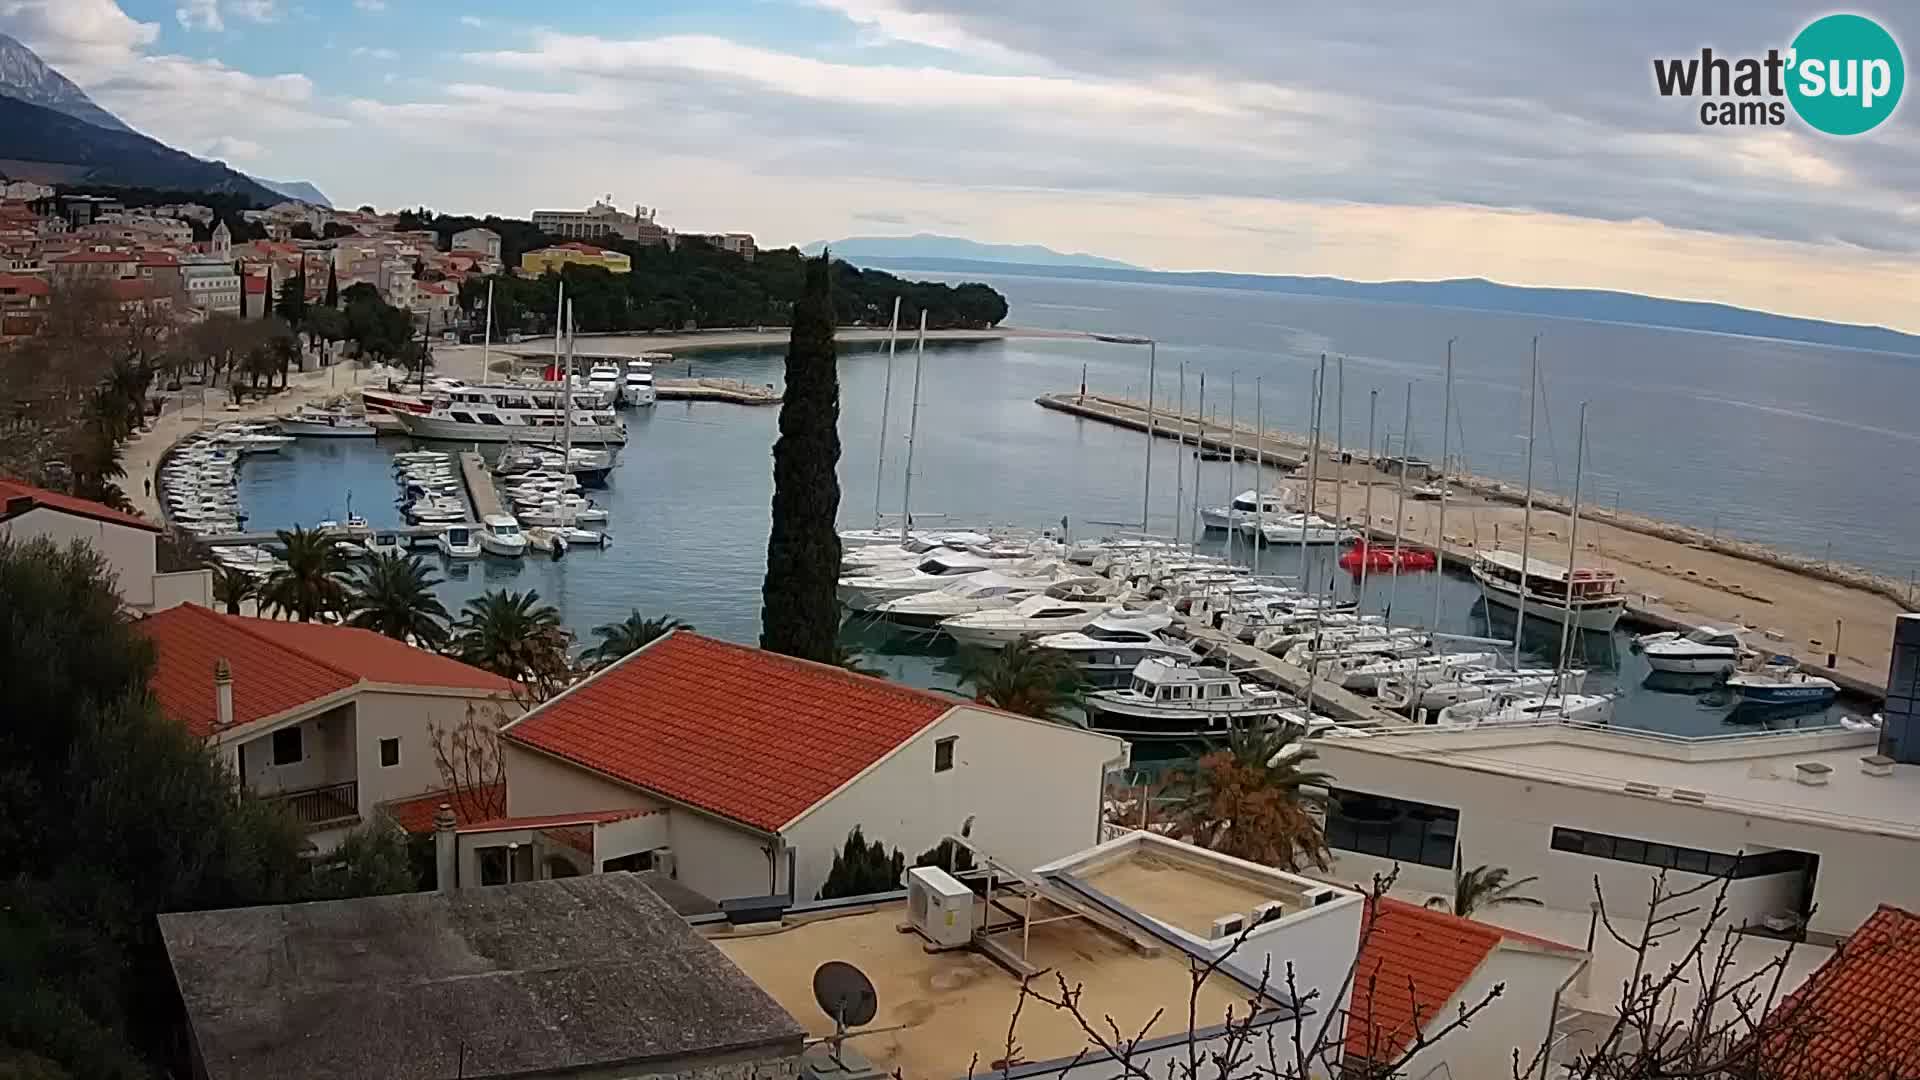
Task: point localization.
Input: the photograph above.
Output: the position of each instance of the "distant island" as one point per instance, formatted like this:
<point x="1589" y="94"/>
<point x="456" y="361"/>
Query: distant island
<point x="857" y="249"/>
<point x="1473" y="294"/>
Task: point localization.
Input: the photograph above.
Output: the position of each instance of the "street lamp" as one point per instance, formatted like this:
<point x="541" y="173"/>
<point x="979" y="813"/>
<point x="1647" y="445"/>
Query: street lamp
<point x="1153" y="349"/>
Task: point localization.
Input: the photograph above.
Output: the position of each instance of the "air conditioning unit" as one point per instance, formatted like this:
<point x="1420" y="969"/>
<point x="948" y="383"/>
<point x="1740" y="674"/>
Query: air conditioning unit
<point x="939" y="908"/>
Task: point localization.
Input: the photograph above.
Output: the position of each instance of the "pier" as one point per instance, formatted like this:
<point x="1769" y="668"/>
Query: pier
<point x="1677" y="576"/>
<point x="731" y="391"/>
<point x="482" y="497"/>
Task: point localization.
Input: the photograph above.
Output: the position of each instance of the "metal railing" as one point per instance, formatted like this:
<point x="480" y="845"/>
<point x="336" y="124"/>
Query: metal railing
<point x="321" y="805"/>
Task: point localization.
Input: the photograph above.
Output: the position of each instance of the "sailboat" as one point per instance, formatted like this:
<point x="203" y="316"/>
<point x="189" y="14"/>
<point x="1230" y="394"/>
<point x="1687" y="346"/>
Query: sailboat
<point x="555" y="539"/>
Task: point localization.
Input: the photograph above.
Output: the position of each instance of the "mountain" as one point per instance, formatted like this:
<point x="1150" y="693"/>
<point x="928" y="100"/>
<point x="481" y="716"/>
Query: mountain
<point x="928" y="246"/>
<point x="295" y="189"/>
<point x="25" y="77"/>
<point x="52" y="147"/>
<point x="1479" y="294"/>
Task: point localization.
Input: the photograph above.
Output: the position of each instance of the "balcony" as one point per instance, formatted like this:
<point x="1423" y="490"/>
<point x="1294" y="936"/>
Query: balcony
<point x="323" y="807"/>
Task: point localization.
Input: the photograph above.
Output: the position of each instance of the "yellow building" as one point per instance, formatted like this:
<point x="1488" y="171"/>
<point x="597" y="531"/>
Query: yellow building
<point x="535" y="263"/>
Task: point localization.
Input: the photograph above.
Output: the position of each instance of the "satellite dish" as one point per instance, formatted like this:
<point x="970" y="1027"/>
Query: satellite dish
<point x="845" y="994"/>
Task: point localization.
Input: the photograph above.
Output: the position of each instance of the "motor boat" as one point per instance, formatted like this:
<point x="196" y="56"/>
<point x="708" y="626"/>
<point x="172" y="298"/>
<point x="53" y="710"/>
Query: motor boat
<point x="519" y="413"/>
<point x="1382" y="557"/>
<point x="1593" y="597"/>
<point x="637" y="386"/>
<point x="1108" y="649"/>
<point x="555" y="512"/>
<point x="1167" y="698"/>
<point x="986" y="591"/>
<point x="1032" y="617"/>
<point x="1414" y="695"/>
<point x="500" y="535"/>
<point x="864" y="592"/>
<point x="1310" y="529"/>
<point x="458" y="542"/>
<point x="1531" y="709"/>
<point x="1336" y="639"/>
<point x="1704" y="650"/>
<point x="1429" y="492"/>
<point x="545" y="539"/>
<point x="603" y="378"/>
<point x="385" y="543"/>
<point x="248" y="441"/>
<point x="310" y="422"/>
<point x="1780" y="683"/>
<point x="1247" y="506"/>
<point x="1368" y="676"/>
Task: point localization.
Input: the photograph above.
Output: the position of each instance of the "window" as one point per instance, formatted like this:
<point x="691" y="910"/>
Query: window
<point x="504" y="864"/>
<point x="639" y="860"/>
<point x="389" y="753"/>
<point x="943" y="753"/>
<point x="1674" y="857"/>
<point x="1390" y="828"/>
<point x="288" y="748"/>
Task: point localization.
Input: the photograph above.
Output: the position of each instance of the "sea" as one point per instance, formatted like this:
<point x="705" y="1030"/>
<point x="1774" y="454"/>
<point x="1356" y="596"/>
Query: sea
<point x="1813" y="449"/>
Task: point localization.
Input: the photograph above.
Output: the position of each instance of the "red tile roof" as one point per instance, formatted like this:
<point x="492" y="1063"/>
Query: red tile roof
<point x="281" y="665"/>
<point x="1407" y="944"/>
<point x="95" y="257"/>
<point x="752" y="736"/>
<point x="24" y="285"/>
<point x="415" y="815"/>
<point x="1854" y="1016"/>
<point x="254" y="285"/>
<point x="548" y="821"/>
<point x="53" y="500"/>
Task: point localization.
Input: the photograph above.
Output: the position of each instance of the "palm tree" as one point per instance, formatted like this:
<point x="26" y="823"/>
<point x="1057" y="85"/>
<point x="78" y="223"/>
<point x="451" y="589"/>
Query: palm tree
<point x="629" y="634"/>
<point x="232" y="587"/>
<point x="393" y="595"/>
<point x="1021" y="678"/>
<point x="311" y="583"/>
<point x="516" y="636"/>
<point x="1253" y="797"/>
<point x="1483" y="886"/>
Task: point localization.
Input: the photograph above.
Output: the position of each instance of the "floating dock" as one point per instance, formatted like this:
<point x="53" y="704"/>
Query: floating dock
<point x="731" y="391"/>
<point x="483" y="498"/>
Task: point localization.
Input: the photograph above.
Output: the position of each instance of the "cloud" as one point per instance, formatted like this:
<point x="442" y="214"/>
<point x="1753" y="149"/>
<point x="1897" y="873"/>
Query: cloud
<point x="77" y="36"/>
<point x="228" y="148"/>
<point x="200" y="15"/>
<point x="375" y="53"/>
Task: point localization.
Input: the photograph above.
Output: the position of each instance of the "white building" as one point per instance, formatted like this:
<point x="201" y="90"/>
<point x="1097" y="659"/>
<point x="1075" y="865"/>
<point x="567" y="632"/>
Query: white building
<point x="480" y="241"/>
<point x="1805" y="821"/>
<point x="26" y="191"/>
<point x="126" y="542"/>
<point x="753" y="767"/>
<point x="211" y="286"/>
<point x="600" y="219"/>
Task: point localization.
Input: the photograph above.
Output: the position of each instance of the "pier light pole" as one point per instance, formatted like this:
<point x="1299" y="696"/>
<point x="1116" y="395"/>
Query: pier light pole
<point x="1153" y="358"/>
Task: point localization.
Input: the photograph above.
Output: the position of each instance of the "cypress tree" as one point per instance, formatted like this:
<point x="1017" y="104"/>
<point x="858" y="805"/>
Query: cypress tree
<point x="800" y="614"/>
<point x="266" y="295"/>
<point x="333" y="286"/>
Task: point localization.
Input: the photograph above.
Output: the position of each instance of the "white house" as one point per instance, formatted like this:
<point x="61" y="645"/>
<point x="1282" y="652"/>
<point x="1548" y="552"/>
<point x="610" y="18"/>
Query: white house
<point x="751" y="768"/>
<point x="480" y="241"/>
<point x="126" y="542"/>
<point x="330" y="720"/>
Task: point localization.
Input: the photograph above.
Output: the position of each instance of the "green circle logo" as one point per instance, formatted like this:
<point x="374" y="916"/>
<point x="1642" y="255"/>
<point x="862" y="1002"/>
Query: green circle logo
<point x="1846" y="74"/>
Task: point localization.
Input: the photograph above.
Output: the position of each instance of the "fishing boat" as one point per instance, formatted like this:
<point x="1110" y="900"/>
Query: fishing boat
<point x="1780" y="683"/>
<point x="1704" y="650"/>
<point x="1246" y="507"/>
<point x="312" y="423"/>
<point x="500" y="535"/>
<point x="1171" y="699"/>
<point x="1590" y="598"/>
<point x="1415" y="695"/>
<point x="458" y="542"/>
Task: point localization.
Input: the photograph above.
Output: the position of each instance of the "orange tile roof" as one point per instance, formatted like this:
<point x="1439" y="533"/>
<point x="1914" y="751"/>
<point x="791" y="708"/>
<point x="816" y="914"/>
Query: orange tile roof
<point x="1404" y="944"/>
<point x="24" y="285"/>
<point x="415" y="815"/>
<point x="548" y="821"/>
<point x="281" y="665"/>
<point x="53" y="500"/>
<point x="752" y="736"/>
<point x="1853" y="1017"/>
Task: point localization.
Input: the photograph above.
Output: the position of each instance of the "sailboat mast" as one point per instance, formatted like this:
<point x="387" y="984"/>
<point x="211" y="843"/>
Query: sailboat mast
<point x="1526" y="515"/>
<point x="1573" y="552"/>
<point x="1400" y="502"/>
<point x="486" y="340"/>
<point x="1366" y="527"/>
<point x="886" y="400"/>
<point x="1196" y="526"/>
<point x="1179" y="466"/>
<point x="1313" y="456"/>
<point x="1259" y="477"/>
<point x="566" y="396"/>
<point x="1146" y="481"/>
<point x="559" y="327"/>
<point x="913" y="428"/>
<point x="1233" y="461"/>
<point x="1339" y="458"/>
<point x="1440" y="542"/>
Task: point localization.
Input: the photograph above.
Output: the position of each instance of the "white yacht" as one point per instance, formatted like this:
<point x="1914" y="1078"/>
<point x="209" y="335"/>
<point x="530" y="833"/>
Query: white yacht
<point x="1247" y="507"/>
<point x="1704" y="650"/>
<point x="868" y="590"/>
<point x="1532" y="709"/>
<point x="458" y="542"/>
<point x="1367" y="676"/>
<point x="1112" y="646"/>
<point x="385" y="543"/>
<point x="1173" y="699"/>
<point x="985" y="591"/>
<point x="637" y="384"/>
<point x="1417" y="694"/>
<point x="1032" y="617"/>
<point x="1287" y="529"/>
<point x="1598" y="595"/>
<point x="556" y="512"/>
<point x="500" y="535"/>
<point x="516" y="412"/>
<point x="310" y="422"/>
<point x="603" y="378"/>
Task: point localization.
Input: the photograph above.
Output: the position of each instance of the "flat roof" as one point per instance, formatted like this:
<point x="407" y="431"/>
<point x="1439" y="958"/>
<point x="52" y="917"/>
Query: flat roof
<point x="1752" y="775"/>
<point x="1183" y="895"/>
<point x="542" y="977"/>
<point x="953" y="1005"/>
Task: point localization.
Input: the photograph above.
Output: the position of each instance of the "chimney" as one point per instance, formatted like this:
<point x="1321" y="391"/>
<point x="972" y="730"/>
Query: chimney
<point x="222" y="695"/>
<point x="446" y="857"/>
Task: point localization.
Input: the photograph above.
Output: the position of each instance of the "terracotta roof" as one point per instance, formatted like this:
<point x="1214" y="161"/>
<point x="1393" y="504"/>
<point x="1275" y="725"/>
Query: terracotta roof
<point x="548" y="821"/>
<point x="752" y="736"/>
<point x="415" y="815"/>
<point x="158" y="258"/>
<point x="96" y="257"/>
<point x="24" y="285"/>
<point x="53" y="500"/>
<point x="1434" y="952"/>
<point x="254" y="285"/>
<point x="1853" y="1017"/>
<point x="281" y="665"/>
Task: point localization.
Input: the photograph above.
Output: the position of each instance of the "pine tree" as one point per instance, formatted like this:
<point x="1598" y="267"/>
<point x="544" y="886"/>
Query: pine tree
<point x="333" y="286"/>
<point x="292" y="302"/>
<point x="800" y="614"/>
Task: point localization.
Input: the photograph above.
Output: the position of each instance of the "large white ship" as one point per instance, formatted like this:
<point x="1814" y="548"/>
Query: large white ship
<point x="532" y="414"/>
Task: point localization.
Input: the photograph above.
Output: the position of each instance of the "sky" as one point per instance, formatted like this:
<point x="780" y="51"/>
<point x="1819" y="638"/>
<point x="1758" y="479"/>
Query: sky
<point x="1522" y="142"/>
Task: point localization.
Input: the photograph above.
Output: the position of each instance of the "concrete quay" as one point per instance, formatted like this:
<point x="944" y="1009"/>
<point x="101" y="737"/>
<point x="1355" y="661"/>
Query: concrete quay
<point x="482" y="496"/>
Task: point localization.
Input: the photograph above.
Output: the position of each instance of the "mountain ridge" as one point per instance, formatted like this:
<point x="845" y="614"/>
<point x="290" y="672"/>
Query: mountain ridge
<point x="26" y="77"/>
<point x="299" y="190"/>
<point x="936" y="246"/>
<point x="74" y="151"/>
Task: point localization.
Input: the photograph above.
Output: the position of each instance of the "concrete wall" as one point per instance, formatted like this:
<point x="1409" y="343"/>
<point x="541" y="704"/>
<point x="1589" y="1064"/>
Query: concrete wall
<point x="538" y="784"/>
<point x="1318" y="945"/>
<point x="409" y="717"/>
<point x="182" y="587"/>
<point x="1521" y="1018"/>
<point x="1033" y="790"/>
<point x="618" y="838"/>
<point x="326" y="743"/>
<point x="128" y="551"/>
<point x="720" y="860"/>
<point x="1509" y="821"/>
